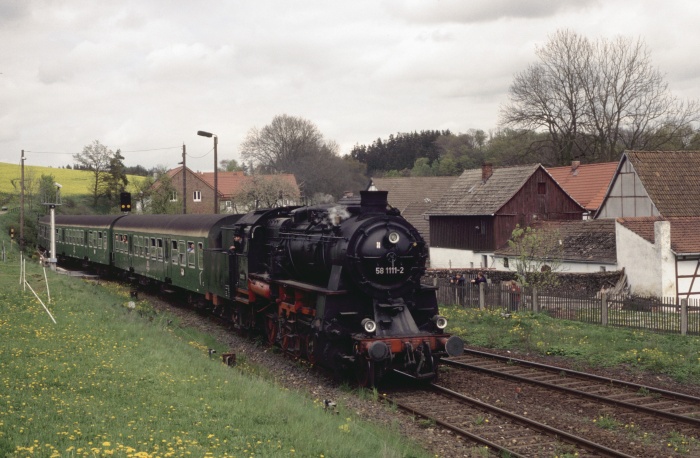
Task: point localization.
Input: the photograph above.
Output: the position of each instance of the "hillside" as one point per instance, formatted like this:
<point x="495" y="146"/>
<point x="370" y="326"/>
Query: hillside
<point x="74" y="182"/>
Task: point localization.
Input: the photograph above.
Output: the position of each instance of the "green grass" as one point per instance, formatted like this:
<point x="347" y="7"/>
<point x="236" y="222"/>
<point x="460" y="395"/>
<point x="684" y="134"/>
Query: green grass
<point x="74" y="182"/>
<point x="587" y="345"/>
<point x="110" y="380"/>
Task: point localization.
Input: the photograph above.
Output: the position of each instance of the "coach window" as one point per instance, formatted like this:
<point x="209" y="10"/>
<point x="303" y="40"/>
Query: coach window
<point x="200" y="255"/>
<point x="190" y="254"/>
<point x="181" y="253"/>
<point x="160" y="249"/>
<point x="173" y="251"/>
<point x="89" y="238"/>
<point x="99" y="239"/>
<point x="152" y="251"/>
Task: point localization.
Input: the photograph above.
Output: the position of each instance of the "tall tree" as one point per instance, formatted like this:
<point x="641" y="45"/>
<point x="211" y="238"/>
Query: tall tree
<point x="595" y="99"/>
<point x="116" y="180"/>
<point x="95" y="158"/>
<point x="230" y="165"/>
<point x="295" y="145"/>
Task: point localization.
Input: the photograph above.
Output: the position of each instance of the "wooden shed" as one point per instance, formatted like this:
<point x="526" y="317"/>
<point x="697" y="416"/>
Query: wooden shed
<point x="482" y="207"/>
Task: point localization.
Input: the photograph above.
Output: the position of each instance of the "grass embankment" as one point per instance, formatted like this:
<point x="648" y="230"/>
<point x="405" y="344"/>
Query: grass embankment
<point x="108" y="380"/>
<point x="588" y="345"/>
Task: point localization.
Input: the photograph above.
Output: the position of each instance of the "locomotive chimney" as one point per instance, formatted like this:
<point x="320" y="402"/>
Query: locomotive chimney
<point x="486" y="171"/>
<point x="373" y="201"/>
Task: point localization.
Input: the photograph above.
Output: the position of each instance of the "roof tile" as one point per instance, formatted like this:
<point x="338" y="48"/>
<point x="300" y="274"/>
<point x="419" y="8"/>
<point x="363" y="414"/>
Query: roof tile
<point x="587" y="183"/>
<point x="470" y="195"/>
<point x="671" y="178"/>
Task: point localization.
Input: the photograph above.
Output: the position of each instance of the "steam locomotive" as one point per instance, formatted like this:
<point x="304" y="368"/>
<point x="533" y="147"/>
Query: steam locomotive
<point x="338" y="284"/>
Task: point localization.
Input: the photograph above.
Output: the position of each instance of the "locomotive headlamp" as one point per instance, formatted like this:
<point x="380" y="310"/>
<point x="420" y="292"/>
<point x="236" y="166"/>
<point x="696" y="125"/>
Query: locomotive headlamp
<point x="440" y="321"/>
<point x="393" y="237"/>
<point x="369" y="325"/>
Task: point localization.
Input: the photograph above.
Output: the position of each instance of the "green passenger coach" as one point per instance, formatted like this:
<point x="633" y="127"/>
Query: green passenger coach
<point x="81" y="237"/>
<point x="173" y="249"/>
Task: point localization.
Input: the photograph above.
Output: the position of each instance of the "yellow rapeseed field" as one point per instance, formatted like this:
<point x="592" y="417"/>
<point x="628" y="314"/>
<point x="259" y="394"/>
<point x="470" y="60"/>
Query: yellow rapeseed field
<point x="73" y="182"/>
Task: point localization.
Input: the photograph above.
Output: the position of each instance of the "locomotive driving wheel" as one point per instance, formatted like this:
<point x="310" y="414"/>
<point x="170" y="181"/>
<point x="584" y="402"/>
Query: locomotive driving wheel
<point x="271" y="329"/>
<point x="365" y="372"/>
<point x="310" y="348"/>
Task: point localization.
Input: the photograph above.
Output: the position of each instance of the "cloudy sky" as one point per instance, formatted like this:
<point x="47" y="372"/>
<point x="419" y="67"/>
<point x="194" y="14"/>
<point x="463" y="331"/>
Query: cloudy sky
<point x="144" y="76"/>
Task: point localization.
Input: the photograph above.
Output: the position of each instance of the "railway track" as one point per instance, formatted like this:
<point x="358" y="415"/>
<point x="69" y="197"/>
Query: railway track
<point x="638" y="399"/>
<point x="557" y="410"/>
<point x="502" y="432"/>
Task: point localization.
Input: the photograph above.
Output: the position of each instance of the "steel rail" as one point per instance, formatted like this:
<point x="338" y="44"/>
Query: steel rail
<point x="635" y="407"/>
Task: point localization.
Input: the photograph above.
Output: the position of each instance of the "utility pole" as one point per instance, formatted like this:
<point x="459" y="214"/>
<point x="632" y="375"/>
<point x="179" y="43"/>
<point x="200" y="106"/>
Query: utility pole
<point x="21" y="207"/>
<point x="184" y="181"/>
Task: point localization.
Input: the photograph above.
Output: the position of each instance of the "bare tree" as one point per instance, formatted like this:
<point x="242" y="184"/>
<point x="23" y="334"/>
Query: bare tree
<point x="295" y="145"/>
<point x="96" y="158"/>
<point x="596" y="99"/>
<point x="265" y="192"/>
<point x="275" y="147"/>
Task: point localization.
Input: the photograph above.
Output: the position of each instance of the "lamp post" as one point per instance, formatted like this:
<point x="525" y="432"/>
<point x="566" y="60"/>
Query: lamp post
<point x="201" y="133"/>
<point x="184" y="181"/>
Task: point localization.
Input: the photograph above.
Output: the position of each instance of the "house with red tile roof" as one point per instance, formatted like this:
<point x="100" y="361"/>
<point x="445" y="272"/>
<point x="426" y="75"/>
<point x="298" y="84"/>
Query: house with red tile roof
<point x="198" y="190"/>
<point x="586" y="183"/>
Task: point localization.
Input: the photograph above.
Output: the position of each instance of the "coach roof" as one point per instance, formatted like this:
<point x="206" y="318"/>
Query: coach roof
<point x="195" y="225"/>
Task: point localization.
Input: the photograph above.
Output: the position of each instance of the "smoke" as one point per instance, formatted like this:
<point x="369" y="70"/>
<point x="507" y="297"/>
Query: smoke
<point x="337" y="215"/>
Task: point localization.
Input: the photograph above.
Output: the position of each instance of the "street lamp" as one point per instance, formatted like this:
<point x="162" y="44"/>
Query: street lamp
<point x="201" y="133"/>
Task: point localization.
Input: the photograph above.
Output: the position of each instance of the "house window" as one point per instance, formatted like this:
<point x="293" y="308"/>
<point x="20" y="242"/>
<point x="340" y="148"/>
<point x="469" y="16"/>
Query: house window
<point x="173" y="196"/>
<point x="505" y="262"/>
<point x="228" y="204"/>
<point x="197" y="196"/>
<point x="484" y="261"/>
<point x="542" y="188"/>
<point x="602" y="268"/>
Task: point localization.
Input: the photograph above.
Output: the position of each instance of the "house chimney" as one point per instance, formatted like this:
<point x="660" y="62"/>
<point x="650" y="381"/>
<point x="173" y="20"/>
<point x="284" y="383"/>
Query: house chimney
<point x="486" y="171"/>
<point x="574" y="165"/>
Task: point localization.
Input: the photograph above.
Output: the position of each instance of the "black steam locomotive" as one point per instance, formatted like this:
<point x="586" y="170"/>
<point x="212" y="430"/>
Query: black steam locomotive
<point x="338" y="284"/>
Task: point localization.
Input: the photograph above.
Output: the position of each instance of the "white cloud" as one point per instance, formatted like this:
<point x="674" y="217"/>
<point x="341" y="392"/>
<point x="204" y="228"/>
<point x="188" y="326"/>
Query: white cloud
<point x="148" y="75"/>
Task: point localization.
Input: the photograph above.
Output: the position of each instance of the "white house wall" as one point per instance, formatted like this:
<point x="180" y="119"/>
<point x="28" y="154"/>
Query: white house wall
<point x="451" y="258"/>
<point x="564" y="267"/>
<point x="650" y="268"/>
<point x="447" y="258"/>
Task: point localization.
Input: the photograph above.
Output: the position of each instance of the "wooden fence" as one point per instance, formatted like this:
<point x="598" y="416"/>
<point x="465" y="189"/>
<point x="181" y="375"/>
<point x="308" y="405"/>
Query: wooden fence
<point x="652" y="314"/>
